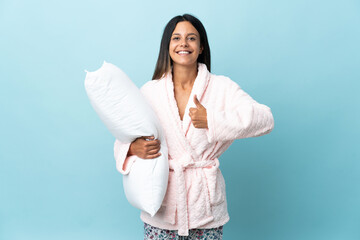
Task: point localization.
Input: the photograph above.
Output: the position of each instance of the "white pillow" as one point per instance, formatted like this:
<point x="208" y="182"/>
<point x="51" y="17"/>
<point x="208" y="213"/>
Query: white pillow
<point x="127" y="115"/>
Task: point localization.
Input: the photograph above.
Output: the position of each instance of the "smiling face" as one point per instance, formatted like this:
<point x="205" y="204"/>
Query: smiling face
<point x="184" y="47"/>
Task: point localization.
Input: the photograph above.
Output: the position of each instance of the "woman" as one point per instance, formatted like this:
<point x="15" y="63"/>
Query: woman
<point x="202" y="114"/>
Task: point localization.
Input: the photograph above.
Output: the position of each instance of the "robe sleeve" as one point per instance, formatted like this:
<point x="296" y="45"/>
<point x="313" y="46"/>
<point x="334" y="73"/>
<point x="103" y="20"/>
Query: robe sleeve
<point x="241" y="117"/>
<point x="120" y="155"/>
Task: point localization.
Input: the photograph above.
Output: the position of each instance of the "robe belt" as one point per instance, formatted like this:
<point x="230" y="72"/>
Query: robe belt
<point x="179" y="168"/>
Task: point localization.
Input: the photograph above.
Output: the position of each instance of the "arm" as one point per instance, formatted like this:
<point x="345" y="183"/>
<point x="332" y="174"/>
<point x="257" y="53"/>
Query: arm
<point x="143" y="147"/>
<point x="242" y="117"/>
<point x="123" y="157"/>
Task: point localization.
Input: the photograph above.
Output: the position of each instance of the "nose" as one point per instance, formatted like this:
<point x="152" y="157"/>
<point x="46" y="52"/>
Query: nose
<point x="184" y="43"/>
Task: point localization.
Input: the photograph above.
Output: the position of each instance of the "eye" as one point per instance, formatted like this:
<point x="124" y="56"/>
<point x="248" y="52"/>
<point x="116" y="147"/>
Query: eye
<point x="192" y="38"/>
<point x="175" y="38"/>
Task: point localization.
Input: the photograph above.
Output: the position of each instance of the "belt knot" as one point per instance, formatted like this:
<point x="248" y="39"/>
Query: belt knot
<point x="179" y="167"/>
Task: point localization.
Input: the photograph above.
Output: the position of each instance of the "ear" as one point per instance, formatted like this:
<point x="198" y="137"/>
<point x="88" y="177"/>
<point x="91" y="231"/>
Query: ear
<point x="201" y="49"/>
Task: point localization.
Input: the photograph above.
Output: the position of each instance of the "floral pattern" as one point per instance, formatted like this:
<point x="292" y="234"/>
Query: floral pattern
<point x="154" y="233"/>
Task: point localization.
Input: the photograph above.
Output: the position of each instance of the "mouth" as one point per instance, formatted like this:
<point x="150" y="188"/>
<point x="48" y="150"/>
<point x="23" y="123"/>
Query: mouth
<point x="183" y="52"/>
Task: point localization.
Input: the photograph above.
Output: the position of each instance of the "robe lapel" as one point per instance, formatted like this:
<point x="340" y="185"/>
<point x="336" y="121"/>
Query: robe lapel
<point x="181" y="128"/>
<point x="177" y="140"/>
<point x="199" y="87"/>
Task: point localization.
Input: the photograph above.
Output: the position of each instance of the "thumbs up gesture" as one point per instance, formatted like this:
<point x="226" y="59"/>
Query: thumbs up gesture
<point x="198" y="115"/>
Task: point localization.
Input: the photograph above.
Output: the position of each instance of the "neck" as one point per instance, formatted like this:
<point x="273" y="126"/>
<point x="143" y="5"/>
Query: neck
<point x="184" y="76"/>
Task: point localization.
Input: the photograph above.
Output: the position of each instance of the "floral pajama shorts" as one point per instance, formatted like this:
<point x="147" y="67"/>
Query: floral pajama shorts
<point x="151" y="232"/>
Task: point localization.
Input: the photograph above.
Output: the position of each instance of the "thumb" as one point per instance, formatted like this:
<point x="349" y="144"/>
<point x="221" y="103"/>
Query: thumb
<point x="196" y="101"/>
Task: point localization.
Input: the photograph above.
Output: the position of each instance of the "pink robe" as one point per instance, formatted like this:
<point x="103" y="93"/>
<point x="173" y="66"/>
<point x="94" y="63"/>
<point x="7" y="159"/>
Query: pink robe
<point x="195" y="196"/>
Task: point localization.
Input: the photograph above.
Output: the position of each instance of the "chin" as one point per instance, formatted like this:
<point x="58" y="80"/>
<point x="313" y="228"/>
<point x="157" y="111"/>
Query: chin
<point x="185" y="63"/>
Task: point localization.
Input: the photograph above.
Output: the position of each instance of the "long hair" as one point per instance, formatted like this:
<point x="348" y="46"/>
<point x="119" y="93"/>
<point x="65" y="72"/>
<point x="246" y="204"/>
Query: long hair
<point x="164" y="62"/>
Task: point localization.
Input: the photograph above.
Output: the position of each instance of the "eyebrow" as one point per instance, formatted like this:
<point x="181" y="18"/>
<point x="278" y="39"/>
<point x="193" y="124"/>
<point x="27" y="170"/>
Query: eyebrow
<point x="188" y="34"/>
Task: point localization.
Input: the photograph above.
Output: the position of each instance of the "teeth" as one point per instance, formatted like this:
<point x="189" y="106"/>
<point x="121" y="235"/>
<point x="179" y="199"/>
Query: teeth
<point x="183" y="52"/>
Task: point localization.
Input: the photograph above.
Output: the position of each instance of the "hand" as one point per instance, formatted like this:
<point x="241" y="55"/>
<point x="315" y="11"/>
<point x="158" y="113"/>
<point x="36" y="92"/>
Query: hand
<point x="198" y="115"/>
<point x="145" y="147"/>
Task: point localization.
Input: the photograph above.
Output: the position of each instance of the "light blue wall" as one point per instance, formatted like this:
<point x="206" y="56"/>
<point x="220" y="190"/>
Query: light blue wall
<point x="301" y="58"/>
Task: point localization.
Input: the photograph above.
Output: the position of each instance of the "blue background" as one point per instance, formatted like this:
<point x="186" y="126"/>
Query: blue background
<point x="301" y="58"/>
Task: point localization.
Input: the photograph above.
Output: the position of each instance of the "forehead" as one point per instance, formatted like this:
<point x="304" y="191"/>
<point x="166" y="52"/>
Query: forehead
<point x="185" y="27"/>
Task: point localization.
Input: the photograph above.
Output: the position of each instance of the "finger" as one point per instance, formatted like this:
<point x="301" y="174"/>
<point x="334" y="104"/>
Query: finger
<point x="152" y="143"/>
<point x="196" y="101"/>
<point x="149" y="138"/>
<point x="153" y="147"/>
<point x="153" y="156"/>
<point x="153" y="151"/>
<point x="194" y="119"/>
